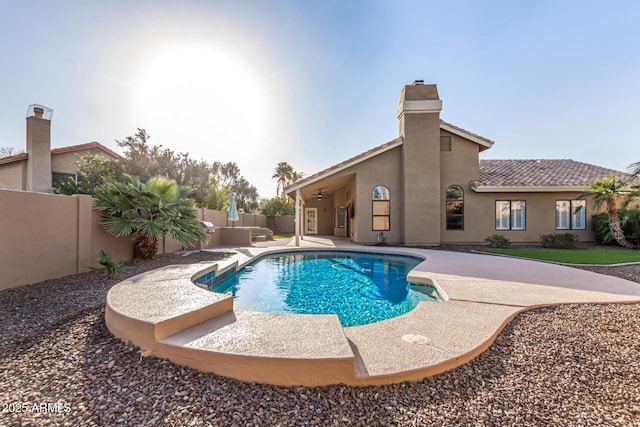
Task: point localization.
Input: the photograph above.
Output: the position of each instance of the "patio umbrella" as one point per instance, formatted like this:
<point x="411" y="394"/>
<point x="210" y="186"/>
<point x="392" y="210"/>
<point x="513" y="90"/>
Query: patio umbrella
<point x="232" y="212"/>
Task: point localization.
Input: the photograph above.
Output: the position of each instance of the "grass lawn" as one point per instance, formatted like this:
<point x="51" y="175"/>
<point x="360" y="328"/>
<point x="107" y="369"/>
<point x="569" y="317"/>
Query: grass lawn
<point x="589" y="256"/>
<point x="282" y="236"/>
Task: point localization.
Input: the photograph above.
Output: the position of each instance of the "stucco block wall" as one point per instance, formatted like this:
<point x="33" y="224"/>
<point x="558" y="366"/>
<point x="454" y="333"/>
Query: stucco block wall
<point x="282" y="224"/>
<point x="45" y="236"/>
<point x="38" y="244"/>
<point x="120" y="248"/>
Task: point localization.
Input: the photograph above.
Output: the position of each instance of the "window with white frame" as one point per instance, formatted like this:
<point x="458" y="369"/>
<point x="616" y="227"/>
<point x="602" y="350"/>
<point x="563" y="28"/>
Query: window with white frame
<point x="511" y="214"/>
<point x="571" y="214"/>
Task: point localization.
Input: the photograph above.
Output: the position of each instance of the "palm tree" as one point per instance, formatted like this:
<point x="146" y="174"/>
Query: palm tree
<point x="296" y="176"/>
<point x="634" y="170"/>
<point x="148" y="211"/>
<point x="607" y="191"/>
<point x="283" y="174"/>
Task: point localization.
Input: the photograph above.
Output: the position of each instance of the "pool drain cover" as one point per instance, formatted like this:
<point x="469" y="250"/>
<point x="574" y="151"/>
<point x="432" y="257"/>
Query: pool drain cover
<point x="415" y="339"/>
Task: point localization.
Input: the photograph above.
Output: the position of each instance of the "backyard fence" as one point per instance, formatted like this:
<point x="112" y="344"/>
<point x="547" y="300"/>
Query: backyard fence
<point x="46" y="236"/>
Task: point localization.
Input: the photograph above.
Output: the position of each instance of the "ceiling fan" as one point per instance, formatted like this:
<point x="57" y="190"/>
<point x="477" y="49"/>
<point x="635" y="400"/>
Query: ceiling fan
<point x="320" y="195"/>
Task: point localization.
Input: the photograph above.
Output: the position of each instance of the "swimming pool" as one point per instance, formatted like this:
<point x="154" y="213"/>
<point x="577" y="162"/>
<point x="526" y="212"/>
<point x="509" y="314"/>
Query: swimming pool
<point x="358" y="287"/>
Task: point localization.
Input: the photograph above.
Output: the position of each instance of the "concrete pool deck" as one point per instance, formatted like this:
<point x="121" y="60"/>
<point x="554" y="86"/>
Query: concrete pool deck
<point x="168" y="316"/>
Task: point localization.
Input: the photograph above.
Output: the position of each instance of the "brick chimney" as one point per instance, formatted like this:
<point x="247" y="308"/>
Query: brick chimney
<point x="39" y="148"/>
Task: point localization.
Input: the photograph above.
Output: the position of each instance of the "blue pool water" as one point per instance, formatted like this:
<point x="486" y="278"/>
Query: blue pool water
<point x="359" y="287"/>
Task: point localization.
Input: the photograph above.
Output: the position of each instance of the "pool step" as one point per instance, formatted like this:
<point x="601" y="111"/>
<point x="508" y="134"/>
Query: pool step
<point x="265" y="347"/>
<point x="160" y="303"/>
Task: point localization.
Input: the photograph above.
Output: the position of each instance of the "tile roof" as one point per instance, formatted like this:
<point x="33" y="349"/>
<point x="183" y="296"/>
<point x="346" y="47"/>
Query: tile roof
<point x="541" y="173"/>
<point x="11" y="159"/>
<point x="71" y="148"/>
<point x="86" y="146"/>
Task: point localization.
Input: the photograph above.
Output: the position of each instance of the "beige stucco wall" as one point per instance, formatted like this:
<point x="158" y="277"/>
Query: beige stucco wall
<point x="479" y="221"/>
<point x="45" y="236"/>
<point x="120" y="248"/>
<point x="339" y="200"/>
<point x="13" y="176"/>
<point x="282" y="224"/>
<point x="236" y="236"/>
<point x="37" y="243"/>
<point x="383" y="169"/>
<point x="460" y="165"/>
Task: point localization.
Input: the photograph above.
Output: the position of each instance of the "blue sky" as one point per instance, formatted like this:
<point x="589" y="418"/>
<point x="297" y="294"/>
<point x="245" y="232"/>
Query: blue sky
<point x="315" y="82"/>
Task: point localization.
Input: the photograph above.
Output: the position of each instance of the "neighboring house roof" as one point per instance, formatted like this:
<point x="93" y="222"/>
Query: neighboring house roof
<point x="86" y="146"/>
<point x="539" y="175"/>
<point x="481" y="140"/>
<point x="12" y="159"/>
<point x="69" y="149"/>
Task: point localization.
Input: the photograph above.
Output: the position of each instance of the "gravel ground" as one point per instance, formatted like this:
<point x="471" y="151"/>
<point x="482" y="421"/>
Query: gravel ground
<point x="569" y="365"/>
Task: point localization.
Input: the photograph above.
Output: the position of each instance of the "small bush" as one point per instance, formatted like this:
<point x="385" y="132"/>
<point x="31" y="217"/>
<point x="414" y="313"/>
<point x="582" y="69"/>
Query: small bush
<point x="498" y="241"/>
<point x="112" y="268"/>
<point x="560" y="241"/>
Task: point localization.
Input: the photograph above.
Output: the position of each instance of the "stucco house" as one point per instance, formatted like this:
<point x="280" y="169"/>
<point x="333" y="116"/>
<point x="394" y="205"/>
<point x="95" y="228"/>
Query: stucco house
<point x="429" y="187"/>
<point x="40" y="167"/>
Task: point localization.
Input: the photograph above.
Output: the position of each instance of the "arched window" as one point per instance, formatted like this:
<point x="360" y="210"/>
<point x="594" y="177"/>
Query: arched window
<point x="380" y="198"/>
<point x="455" y="208"/>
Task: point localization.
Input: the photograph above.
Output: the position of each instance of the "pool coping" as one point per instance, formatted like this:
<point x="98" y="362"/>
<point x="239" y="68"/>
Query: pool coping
<point x="167" y="315"/>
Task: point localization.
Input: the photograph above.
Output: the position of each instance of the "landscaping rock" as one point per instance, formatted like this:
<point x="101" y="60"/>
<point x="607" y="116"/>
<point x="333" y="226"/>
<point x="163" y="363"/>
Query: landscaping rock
<point x="59" y="365"/>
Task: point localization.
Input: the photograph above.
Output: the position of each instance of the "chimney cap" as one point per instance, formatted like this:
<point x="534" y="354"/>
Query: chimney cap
<point x="39" y="111"/>
<point x="418" y="82"/>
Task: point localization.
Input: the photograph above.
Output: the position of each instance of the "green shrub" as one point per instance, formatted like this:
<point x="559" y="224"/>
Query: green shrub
<point x="112" y="267"/>
<point x="560" y="241"/>
<point x="629" y="221"/>
<point x="498" y="241"/>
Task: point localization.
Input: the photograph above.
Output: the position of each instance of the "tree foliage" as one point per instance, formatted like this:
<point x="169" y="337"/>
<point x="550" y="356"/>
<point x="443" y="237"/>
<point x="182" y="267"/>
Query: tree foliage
<point x="208" y="184"/>
<point x="285" y="175"/>
<point x="277" y="206"/>
<point x="148" y="211"/>
<point x="9" y="151"/>
<point x="93" y="172"/>
<point x="634" y="169"/>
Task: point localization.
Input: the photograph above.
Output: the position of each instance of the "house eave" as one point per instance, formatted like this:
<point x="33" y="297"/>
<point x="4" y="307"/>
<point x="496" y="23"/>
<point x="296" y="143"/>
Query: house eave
<point x="332" y="171"/>
<point x="466" y="135"/>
